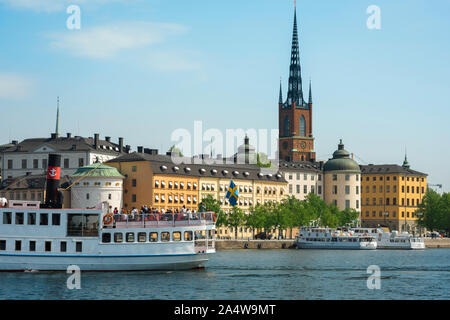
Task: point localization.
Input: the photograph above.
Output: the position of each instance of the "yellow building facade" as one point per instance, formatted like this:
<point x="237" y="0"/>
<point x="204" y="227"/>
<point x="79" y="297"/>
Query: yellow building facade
<point x="390" y="196"/>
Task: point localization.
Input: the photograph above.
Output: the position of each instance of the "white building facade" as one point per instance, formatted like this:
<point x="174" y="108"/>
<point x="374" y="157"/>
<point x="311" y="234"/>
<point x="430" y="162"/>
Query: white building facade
<point x="303" y="178"/>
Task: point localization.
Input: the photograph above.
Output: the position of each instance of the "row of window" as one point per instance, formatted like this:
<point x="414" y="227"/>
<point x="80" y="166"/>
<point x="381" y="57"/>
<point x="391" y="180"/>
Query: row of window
<point x="106" y="184"/>
<point x="394" y="178"/>
<point x="347" y="204"/>
<point x="35" y="164"/>
<point x="172" y="185"/>
<point x="413" y="202"/>
<point x="394" y="189"/>
<point x="305" y="176"/>
<point x="347" y="189"/>
<point x="387" y="214"/>
<point x="165" y="236"/>
<point x="347" y="177"/>
<point x="305" y="189"/>
<point x="172" y="199"/>
<point x="21" y="196"/>
<point x="31" y="218"/>
<point x="47" y="247"/>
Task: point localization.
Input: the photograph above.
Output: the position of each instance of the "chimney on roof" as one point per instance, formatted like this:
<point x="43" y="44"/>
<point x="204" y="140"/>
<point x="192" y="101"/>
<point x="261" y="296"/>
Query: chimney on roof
<point x="127" y="148"/>
<point x="120" y="144"/>
<point x="139" y="149"/>
<point x="14" y="142"/>
<point x="54" y="135"/>
<point x="69" y="135"/>
<point x="96" y="140"/>
<point x="151" y="151"/>
<point x="108" y="139"/>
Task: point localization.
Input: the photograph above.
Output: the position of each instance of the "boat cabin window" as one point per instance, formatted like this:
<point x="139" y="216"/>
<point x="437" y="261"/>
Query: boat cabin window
<point x="79" y="246"/>
<point x="130" y="236"/>
<point x="153" y="237"/>
<point x="19" y="217"/>
<point x="31" y="218"/>
<point x="2" y="245"/>
<point x="56" y="219"/>
<point x="18" y="245"/>
<point x="43" y="221"/>
<point x="176" y="236"/>
<point x="7" y="217"/>
<point x="200" y="235"/>
<point x="188" y="236"/>
<point x="118" y="237"/>
<point x="142" y="237"/>
<point x="84" y="225"/>
<point x="165" y="236"/>
<point x="106" y="237"/>
<point x="63" y="246"/>
<point x="32" y="246"/>
<point x="48" y="246"/>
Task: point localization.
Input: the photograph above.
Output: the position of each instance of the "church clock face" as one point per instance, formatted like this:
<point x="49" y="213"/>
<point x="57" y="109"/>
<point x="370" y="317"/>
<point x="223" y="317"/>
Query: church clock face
<point x="303" y="145"/>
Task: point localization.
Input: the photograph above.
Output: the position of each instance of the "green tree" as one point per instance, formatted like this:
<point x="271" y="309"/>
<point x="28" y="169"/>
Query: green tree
<point x="214" y="205"/>
<point x="431" y="210"/>
<point x="235" y="219"/>
<point x="255" y="218"/>
<point x="347" y="216"/>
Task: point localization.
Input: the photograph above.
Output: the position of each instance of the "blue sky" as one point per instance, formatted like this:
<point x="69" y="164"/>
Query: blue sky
<point x="140" y="69"/>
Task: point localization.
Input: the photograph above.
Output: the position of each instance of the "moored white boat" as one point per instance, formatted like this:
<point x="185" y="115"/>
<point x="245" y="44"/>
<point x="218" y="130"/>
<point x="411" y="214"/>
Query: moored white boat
<point x="327" y="238"/>
<point x="391" y="240"/>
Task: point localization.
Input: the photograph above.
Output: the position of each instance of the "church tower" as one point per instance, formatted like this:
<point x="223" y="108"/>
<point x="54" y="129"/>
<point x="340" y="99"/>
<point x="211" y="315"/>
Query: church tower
<point x="296" y="142"/>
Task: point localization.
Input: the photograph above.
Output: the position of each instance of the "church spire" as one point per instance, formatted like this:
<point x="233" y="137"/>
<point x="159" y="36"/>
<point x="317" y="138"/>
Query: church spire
<point x="280" y="100"/>
<point x="310" y="94"/>
<point x="295" y="92"/>
<point x="57" y="117"/>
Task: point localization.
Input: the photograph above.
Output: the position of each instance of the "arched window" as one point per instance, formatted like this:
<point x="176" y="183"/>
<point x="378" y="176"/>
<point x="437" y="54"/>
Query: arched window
<point x="286" y="126"/>
<point x="302" y="127"/>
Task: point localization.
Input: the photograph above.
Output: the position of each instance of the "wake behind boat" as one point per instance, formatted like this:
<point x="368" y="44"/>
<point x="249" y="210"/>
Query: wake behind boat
<point x="327" y="238"/>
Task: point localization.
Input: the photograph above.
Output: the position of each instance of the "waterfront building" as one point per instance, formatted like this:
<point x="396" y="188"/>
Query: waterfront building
<point x="390" y="196"/>
<point x="342" y="180"/>
<point x="303" y="178"/>
<point x="30" y="156"/>
<point x="95" y="184"/>
<point x="296" y="141"/>
<point x="31" y="188"/>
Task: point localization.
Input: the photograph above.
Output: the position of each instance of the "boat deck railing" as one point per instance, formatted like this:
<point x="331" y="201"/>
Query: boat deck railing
<point x="161" y="220"/>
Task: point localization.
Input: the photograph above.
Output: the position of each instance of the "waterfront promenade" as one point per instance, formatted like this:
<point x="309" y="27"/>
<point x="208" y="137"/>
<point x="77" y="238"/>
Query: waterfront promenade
<point x="286" y="243"/>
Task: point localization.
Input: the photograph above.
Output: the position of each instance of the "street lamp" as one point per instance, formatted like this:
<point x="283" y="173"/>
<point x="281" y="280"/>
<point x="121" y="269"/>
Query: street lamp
<point x="420" y="214"/>
<point x="385" y="214"/>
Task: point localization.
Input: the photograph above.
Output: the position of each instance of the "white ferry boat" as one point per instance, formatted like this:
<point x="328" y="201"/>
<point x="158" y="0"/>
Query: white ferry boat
<point x="35" y="236"/>
<point x="391" y="240"/>
<point x="327" y="238"/>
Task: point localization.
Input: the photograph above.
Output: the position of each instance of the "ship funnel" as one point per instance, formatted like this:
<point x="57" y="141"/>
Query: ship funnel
<point x="53" y="198"/>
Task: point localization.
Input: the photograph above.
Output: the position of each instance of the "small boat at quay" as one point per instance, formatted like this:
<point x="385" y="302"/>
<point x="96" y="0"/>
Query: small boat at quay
<point x="391" y="240"/>
<point x="35" y="236"/>
<point x="327" y="238"/>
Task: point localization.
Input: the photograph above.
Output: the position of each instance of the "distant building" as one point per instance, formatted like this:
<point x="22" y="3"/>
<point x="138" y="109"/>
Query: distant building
<point x="303" y="178"/>
<point x="31" y="187"/>
<point x="30" y="156"/>
<point x="390" y="195"/>
<point x="342" y="181"/>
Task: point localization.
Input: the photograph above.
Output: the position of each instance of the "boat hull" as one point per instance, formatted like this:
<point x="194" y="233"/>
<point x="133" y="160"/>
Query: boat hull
<point x="102" y="263"/>
<point x="336" y="245"/>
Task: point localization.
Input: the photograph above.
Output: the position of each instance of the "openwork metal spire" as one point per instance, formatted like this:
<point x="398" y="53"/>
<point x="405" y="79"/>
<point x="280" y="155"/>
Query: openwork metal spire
<point x="310" y="94"/>
<point x="280" y="100"/>
<point x="295" y="93"/>
<point x="57" y="117"/>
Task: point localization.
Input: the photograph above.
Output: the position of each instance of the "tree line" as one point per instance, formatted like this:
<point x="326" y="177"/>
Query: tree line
<point x="434" y="211"/>
<point x="284" y="215"/>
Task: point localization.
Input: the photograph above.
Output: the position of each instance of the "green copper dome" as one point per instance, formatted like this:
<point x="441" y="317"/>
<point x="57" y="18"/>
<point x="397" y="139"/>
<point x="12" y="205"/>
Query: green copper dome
<point x="98" y="170"/>
<point x="341" y="161"/>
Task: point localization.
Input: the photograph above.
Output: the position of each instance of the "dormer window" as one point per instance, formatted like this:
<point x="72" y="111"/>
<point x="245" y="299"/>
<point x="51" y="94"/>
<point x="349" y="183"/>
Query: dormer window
<point x="213" y="171"/>
<point x="202" y="171"/>
<point x="187" y="169"/>
<point x="163" y="168"/>
<point x="176" y="168"/>
<point x="235" y="173"/>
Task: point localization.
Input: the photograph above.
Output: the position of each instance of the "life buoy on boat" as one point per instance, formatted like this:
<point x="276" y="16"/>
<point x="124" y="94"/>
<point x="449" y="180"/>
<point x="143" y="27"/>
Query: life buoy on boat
<point x="108" y="219"/>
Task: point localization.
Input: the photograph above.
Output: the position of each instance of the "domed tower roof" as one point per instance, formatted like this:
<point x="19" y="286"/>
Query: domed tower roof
<point x="98" y="170"/>
<point x="341" y="161"/>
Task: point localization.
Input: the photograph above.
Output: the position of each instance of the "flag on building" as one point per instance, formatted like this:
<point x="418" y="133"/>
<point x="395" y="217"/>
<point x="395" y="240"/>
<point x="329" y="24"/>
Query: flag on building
<point x="232" y="194"/>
